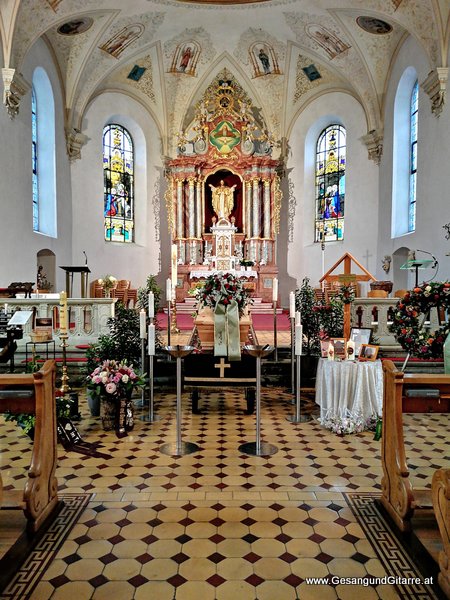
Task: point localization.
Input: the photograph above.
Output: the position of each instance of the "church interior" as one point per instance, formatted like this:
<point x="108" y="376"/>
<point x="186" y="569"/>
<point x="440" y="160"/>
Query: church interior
<point x="243" y="200"/>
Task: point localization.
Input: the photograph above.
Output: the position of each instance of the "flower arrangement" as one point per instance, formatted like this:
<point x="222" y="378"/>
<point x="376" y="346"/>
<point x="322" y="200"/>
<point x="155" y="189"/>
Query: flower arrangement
<point x="113" y="379"/>
<point x="407" y="328"/>
<point x="245" y="262"/>
<point x="343" y="425"/>
<point x="347" y="294"/>
<point x="222" y="288"/>
<point x="107" y="282"/>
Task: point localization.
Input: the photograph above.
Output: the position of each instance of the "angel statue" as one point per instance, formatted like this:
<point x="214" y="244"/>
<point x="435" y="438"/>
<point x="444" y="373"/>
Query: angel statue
<point x="222" y="199"/>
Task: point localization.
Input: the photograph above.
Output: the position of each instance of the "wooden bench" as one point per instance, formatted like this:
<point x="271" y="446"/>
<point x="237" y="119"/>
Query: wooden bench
<point x="34" y="393"/>
<point x="399" y="499"/>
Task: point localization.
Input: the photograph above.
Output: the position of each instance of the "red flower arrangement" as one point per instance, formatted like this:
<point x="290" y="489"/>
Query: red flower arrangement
<point x="222" y="288"/>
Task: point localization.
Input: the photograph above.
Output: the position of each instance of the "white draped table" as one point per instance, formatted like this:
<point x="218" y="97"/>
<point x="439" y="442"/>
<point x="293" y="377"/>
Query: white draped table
<point x="349" y="393"/>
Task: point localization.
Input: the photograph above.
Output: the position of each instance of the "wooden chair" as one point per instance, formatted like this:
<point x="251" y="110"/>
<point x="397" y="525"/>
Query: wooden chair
<point x="377" y="294"/>
<point x="399" y="293"/>
<point x="120" y="291"/>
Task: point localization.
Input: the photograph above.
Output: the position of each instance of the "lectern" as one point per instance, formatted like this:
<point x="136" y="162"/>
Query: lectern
<point x="417" y="264"/>
<point x="84" y="274"/>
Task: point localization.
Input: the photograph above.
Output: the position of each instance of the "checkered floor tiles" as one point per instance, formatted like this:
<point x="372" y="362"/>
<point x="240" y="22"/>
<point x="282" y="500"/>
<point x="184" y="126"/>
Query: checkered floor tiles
<point x="219" y="524"/>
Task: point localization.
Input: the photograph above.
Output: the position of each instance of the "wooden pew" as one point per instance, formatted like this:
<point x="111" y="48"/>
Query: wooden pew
<point x="35" y="393"/>
<point x="399" y="498"/>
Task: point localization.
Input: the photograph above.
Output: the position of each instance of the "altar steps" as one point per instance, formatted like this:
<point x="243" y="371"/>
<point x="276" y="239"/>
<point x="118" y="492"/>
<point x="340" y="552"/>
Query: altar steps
<point x="257" y="307"/>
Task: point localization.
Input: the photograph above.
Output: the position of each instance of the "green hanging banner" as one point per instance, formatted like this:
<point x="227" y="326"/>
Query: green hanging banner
<point x="220" y="334"/>
<point x="227" y="340"/>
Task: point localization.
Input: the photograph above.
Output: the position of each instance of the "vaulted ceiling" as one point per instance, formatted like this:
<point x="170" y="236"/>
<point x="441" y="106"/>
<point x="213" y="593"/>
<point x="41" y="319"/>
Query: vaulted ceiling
<point x="164" y="53"/>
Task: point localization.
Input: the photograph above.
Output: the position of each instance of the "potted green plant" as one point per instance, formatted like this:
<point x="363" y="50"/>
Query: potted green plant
<point x="246" y="263"/>
<point x="151" y="285"/>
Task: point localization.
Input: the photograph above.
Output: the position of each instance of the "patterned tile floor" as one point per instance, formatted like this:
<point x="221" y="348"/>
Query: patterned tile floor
<point x="218" y="524"/>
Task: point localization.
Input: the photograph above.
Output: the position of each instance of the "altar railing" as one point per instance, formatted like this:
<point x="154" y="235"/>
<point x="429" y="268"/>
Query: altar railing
<point x="88" y="317"/>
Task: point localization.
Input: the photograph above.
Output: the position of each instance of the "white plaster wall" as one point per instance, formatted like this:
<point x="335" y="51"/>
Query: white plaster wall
<point x="433" y="209"/>
<point x="361" y="200"/>
<point x="134" y="261"/>
<point x="18" y="243"/>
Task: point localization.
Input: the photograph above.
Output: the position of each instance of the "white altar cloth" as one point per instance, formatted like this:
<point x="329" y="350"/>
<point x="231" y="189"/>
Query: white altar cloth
<point x="199" y="274"/>
<point x="349" y="393"/>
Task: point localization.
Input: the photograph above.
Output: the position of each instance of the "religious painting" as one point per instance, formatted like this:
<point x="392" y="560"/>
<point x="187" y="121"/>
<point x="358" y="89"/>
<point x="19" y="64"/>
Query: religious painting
<point x="122" y="39"/>
<point x="136" y="73"/>
<point x="225" y="137"/>
<point x="311" y="72"/>
<point x="373" y="25"/>
<point x="330" y="184"/>
<point x="263" y="59"/>
<point x="118" y="174"/>
<point x="75" y="27"/>
<point x="185" y="58"/>
<point x="332" y="45"/>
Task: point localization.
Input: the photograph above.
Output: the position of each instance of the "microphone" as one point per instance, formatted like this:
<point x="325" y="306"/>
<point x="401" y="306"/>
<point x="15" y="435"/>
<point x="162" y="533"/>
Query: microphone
<point x="434" y="265"/>
<point x="85" y="255"/>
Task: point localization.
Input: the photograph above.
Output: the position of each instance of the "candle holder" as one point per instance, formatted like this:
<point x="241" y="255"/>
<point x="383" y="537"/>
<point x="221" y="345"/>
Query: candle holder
<point x="292" y="320"/>
<point x="297" y="417"/>
<point x="275" y="332"/>
<point x="65" y="388"/>
<point x="141" y="403"/>
<point x="179" y="448"/>
<point x="151" y="417"/>
<point x="258" y="448"/>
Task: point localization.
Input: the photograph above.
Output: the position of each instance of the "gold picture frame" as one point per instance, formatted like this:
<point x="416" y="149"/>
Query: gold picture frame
<point x="368" y="352"/>
<point x="340" y="348"/>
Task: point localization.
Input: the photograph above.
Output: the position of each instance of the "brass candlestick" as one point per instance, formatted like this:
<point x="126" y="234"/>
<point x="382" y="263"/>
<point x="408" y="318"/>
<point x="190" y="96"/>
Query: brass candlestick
<point x="65" y="388"/>
<point x="173" y="317"/>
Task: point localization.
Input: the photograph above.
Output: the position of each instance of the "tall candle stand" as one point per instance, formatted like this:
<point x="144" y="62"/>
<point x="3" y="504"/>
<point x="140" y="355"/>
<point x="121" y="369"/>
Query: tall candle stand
<point x="142" y="400"/>
<point x="292" y="320"/>
<point x="169" y="318"/>
<point x="258" y="448"/>
<point x="65" y="388"/>
<point x="151" y="417"/>
<point x="275" y="333"/>
<point x="297" y="417"/>
<point x="179" y="448"/>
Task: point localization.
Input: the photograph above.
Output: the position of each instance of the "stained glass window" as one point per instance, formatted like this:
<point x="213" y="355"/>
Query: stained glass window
<point x="330" y="184"/>
<point x="118" y="171"/>
<point x="34" y="162"/>
<point x="414" y="108"/>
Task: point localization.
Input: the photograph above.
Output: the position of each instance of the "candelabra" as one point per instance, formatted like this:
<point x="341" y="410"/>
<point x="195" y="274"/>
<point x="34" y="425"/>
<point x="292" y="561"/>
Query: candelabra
<point x="173" y="319"/>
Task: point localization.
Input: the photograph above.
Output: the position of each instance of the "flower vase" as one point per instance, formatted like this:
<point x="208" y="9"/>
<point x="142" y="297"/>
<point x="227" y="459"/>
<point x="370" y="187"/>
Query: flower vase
<point x="107" y="293"/>
<point x="108" y="413"/>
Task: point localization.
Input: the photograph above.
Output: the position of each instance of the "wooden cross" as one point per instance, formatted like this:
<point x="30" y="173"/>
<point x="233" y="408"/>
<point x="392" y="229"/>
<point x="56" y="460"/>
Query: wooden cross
<point x="222" y="366"/>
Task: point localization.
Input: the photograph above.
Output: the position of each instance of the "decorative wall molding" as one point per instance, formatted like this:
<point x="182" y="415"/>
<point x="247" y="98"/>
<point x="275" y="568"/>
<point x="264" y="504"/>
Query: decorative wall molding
<point x="435" y="86"/>
<point x="156" y="204"/>
<point x="14" y="87"/>
<point x="374" y="142"/>
<point x="292" y="203"/>
<point x="75" y="140"/>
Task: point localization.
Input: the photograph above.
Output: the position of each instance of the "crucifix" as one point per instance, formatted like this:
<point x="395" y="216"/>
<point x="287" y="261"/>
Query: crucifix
<point x="222" y="366"/>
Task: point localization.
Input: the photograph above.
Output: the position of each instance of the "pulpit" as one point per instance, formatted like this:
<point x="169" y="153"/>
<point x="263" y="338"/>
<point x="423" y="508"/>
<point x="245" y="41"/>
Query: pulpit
<point x="84" y="275"/>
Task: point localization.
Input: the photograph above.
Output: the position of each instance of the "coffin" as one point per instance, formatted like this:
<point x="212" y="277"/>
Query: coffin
<point x="204" y="323"/>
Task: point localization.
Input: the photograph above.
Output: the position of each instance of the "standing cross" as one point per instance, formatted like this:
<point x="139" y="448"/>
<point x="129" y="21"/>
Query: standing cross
<point x="222" y="366"/>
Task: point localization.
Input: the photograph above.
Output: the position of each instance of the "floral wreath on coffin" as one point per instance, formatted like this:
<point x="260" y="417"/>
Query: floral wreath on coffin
<point x="407" y="323"/>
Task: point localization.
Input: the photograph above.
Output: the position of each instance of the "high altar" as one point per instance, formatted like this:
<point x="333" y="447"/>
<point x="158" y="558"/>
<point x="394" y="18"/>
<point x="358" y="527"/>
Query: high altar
<point x="223" y="197"/>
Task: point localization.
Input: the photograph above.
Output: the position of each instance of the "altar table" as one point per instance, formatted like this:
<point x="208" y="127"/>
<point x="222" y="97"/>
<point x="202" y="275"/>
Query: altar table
<point x="349" y="393"/>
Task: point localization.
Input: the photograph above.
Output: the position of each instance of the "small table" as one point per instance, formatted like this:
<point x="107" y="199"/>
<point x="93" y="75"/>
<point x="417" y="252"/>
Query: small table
<point x="349" y="393"/>
<point x="46" y="343"/>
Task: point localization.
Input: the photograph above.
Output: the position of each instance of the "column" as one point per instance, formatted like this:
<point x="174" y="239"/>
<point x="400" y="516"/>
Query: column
<point x="266" y="204"/>
<point x="199" y="209"/>
<point x="191" y="208"/>
<point x="255" y="228"/>
<point x="248" y="208"/>
<point x="180" y="229"/>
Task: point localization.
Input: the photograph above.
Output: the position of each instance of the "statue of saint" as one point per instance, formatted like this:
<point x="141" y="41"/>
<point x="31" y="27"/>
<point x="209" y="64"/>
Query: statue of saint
<point x="222" y="199"/>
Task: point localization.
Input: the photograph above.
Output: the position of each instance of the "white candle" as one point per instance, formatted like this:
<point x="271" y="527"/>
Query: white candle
<point x="169" y="290"/>
<point x="291" y="305"/>
<point x="142" y="324"/>
<point x="350" y="350"/>
<point x="63" y="313"/>
<point x="331" y="352"/>
<point x="298" y="319"/>
<point x="275" y="289"/>
<point x="151" y="305"/>
<point x="174" y="264"/>
<point x="298" y="340"/>
<point x="151" y="340"/>
<point x="6" y="307"/>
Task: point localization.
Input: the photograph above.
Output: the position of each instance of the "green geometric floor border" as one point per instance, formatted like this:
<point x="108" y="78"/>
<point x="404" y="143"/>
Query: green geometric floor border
<point x="393" y="556"/>
<point x="37" y="561"/>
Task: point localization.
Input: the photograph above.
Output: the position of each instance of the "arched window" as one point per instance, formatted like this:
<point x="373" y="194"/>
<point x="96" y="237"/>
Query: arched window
<point x="118" y="170"/>
<point x="34" y="173"/>
<point x="43" y="159"/>
<point x="404" y="154"/>
<point x="330" y="184"/>
<point x="413" y="111"/>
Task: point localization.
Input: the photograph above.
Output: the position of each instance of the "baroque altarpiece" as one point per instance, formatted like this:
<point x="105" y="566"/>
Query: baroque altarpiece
<point x="223" y="197"/>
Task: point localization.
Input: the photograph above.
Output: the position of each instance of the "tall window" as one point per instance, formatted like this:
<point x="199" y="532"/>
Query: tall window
<point x="34" y="162"/>
<point x="118" y="170"/>
<point x="414" y="108"/>
<point x="330" y="184"/>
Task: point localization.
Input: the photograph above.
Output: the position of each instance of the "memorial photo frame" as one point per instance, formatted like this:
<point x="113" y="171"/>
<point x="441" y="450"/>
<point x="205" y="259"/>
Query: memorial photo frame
<point x="368" y="352"/>
<point x="340" y="348"/>
<point x="360" y="335"/>
<point x="324" y="345"/>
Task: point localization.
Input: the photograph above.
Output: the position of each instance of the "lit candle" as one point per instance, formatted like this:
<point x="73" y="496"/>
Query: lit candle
<point x="6" y="307"/>
<point x="168" y="290"/>
<point x="350" y="350"/>
<point x="63" y="313"/>
<point x="151" y="305"/>
<point x="298" y="319"/>
<point x="298" y="340"/>
<point x="291" y="305"/>
<point x="275" y="289"/>
<point x="142" y="324"/>
<point x="331" y="352"/>
<point x="174" y="264"/>
<point x="151" y="340"/>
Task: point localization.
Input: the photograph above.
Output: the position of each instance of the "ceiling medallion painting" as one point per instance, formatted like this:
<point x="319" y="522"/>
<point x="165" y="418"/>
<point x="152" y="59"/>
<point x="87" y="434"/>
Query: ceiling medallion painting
<point x="373" y="25"/>
<point x="76" y="26"/>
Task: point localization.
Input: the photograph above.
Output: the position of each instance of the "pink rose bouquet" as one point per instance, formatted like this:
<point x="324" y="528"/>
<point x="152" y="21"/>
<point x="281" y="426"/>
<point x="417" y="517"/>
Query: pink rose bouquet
<point x="114" y="379"/>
